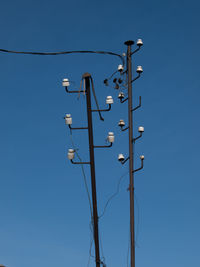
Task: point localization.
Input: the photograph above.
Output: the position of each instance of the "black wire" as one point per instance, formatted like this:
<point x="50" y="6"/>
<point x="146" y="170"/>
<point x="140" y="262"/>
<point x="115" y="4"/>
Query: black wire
<point x="112" y="74"/>
<point x="96" y="101"/>
<point x="103" y="258"/>
<point x="63" y="53"/>
<point x="91" y="243"/>
<point x="84" y="176"/>
<point x="90" y="203"/>
<point x="113" y="195"/>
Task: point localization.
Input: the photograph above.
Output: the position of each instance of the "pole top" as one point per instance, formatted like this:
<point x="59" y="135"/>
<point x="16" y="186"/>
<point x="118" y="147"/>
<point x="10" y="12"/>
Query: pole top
<point x="129" y="42"/>
<point x="86" y="75"/>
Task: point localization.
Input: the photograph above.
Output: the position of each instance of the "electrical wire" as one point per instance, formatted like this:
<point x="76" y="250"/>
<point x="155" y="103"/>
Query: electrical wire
<point x="112" y="75"/>
<point x="63" y="53"/>
<point x="91" y="243"/>
<point x="84" y="175"/>
<point x="102" y="258"/>
<point x="113" y="195"/>
<point x="90" y="203"/>
<point x="95" y="98"/>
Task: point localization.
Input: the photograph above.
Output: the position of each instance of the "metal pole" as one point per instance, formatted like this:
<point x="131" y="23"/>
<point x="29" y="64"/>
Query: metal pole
<point x="131" y="156"/>
<point x="87" y="76"/>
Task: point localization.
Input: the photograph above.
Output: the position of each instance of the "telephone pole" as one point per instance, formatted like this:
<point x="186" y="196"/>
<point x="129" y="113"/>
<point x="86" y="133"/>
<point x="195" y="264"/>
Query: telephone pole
<point x="87" y="76"/>
<point x="131" y="161"/>
<point x="88" y="80"/>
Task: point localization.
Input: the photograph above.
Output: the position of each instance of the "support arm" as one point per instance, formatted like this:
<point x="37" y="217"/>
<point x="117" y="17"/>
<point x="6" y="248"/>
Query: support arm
<point x="124" y="129"/>
<point x="122" y="101"/>
<point x="77" y="128"/>
<point x="76" y="91"/>
<point x="97" y="110"/>
<point x="124" y="161"/>
<point x="136" y="50"/>
<point x="139" y="136"/>
<point x="140" y="104"/>
<point x="142" y="165"/>
<point x="138" y="76"/>
<point x="103" y="146"/>
<point x="79" y="162"/>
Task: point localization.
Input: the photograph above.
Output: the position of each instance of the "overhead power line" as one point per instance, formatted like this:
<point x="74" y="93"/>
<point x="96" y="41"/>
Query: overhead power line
<point x="63" y="53"/>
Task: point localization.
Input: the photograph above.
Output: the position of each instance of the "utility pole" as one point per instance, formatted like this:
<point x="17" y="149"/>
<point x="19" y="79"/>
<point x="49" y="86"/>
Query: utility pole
<point x="88" y="79"/>
<point x="132" y="140"/>
<point x="131" y="161"/>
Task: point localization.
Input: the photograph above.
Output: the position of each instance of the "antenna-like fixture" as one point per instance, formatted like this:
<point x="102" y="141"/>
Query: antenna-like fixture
<point x="109" y="100"/>
<point x="70" y="154"/>
<point x="121" y="96"/>
<point x="68" y="119"/>
<point x="139" y="69"/>
<point x="139" y="42"/>
<point x="121" y="123"/>
<point x="111" y="137"/>
<point x="121" y="157"/>
<point x="120" y="68"/>
<point x="140" y="130"/>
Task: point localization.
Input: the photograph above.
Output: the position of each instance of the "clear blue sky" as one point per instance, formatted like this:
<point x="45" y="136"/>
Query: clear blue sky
<point x="43" y="204"/>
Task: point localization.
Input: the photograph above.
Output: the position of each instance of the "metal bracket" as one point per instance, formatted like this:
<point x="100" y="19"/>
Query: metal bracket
<point x="140" y="104"/>
<point x="79" y="162"/>
<point x="124" y="161"/>
<point x="80" y="91"/>
<point x="77" y="128"/>
<point x="124" y="129"/>
<point x="97" y="110"/>
<point x="103" y="146"/>
<point x="136" y="77"/>
<point x="122" y="101"/>
<point x="136" y="50"/>
<point x="142" y="165"/>
<point x="139" y="136"/>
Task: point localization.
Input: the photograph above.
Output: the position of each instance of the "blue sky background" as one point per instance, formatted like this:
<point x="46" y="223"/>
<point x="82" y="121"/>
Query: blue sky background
<point x="43" y="204"/>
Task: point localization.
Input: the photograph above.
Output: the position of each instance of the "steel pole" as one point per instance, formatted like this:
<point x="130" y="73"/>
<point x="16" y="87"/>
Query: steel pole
<point x="87" y="76"/>
<point x="131" y="155"/>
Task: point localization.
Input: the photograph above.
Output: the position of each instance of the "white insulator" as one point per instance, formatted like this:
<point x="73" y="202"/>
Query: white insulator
<point x="121" y="123"/>
<point x="139" y="69"/>
<point x="111" y="137"/>
<point x="141" y="129"/>
<point x="121" y="157"/>
<point x="68" y="119"/>
<point x="142" y="157"/>
<point x="139" y="42"/>
<point x="121" y="95"/>
<point x="120" y="68"/>
<point x="70" y="154"/>
<point x="65" y="83"/>
<point x="109" y="100"/>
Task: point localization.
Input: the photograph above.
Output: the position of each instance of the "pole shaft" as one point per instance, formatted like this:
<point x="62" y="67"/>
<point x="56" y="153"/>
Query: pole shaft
<point x="131" y="155"/>
<point x="92" y="169"/>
